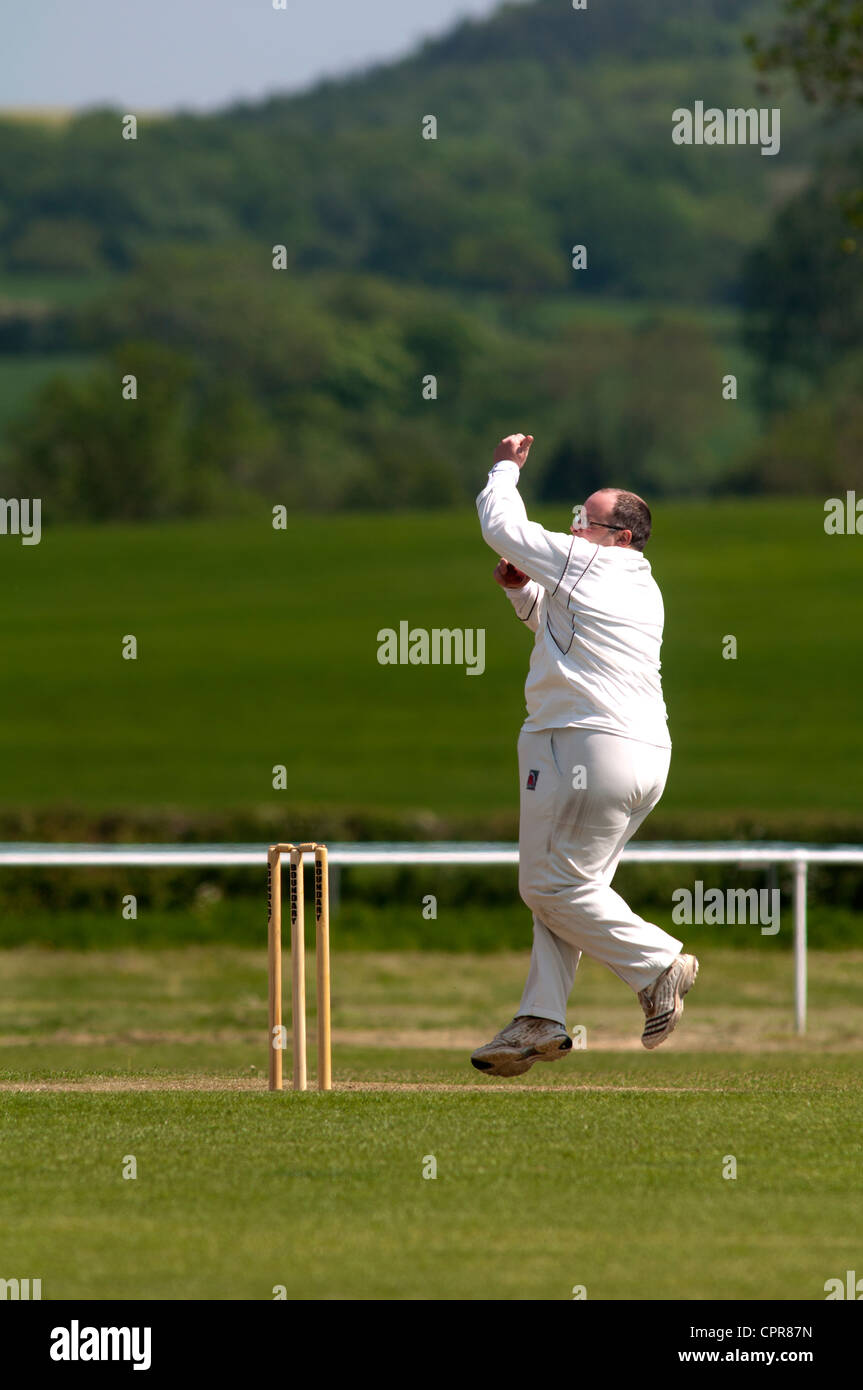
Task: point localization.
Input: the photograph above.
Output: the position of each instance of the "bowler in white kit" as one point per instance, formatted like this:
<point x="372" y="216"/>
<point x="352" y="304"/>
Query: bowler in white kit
<point x="593" y="755"/>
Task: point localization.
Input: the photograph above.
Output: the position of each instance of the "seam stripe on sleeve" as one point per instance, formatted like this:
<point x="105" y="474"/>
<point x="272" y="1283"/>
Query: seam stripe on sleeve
<point x="565" y="568"/>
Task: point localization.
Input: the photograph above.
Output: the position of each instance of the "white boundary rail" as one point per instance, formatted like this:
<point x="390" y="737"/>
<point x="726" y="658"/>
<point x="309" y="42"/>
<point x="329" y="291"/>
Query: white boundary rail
<point x="344" y="855"/>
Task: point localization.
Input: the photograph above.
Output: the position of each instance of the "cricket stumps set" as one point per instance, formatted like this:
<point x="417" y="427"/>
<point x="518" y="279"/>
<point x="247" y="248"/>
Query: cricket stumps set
<point x="277" y="1034"/>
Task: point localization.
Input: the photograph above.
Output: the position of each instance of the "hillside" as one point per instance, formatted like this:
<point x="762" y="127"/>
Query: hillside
<point x="409" y="259"/>
<point x="553" y="126"/>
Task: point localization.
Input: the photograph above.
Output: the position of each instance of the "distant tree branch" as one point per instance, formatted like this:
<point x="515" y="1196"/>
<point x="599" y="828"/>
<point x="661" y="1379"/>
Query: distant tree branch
<point x="821" y="43"/>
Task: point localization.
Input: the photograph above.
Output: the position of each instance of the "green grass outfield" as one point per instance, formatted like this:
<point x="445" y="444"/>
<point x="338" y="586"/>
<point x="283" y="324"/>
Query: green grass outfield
<point x="568" y="1176"/>
<point x="259" y="647"/>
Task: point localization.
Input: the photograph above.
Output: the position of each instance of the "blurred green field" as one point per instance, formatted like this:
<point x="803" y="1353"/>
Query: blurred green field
<point x="259" y="647"/>
<point x="58" y="288"/>
<point x="215" y="916"/>
<point x="68" y="1014"/>
<point x="542" y="1184"/>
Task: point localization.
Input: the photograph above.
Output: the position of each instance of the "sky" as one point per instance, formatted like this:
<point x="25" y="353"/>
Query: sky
<point x="157" y="55"/>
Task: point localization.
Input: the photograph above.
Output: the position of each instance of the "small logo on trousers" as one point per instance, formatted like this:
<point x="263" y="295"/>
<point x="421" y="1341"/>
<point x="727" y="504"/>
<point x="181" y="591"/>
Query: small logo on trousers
<point x="532" y="779"/>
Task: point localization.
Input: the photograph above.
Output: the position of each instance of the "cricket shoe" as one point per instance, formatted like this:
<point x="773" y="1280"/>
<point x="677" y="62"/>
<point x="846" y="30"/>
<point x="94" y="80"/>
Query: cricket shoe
<point x="662" y="1001"/>
<point x="521" y="1043"/>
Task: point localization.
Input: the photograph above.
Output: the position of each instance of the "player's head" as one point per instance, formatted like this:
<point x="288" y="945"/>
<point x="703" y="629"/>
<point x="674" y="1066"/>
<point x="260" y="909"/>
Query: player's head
<point x="613" y="517"/>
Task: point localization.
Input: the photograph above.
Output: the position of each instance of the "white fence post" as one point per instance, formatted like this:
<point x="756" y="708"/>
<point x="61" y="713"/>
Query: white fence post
<point x="800" y="883"/>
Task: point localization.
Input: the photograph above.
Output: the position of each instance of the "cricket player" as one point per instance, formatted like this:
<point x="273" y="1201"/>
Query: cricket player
<point x="593" y="755"/>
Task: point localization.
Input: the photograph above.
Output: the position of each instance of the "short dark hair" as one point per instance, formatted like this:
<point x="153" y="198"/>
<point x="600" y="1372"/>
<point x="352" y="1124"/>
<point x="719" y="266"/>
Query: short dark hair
<point x="634" y="514"/>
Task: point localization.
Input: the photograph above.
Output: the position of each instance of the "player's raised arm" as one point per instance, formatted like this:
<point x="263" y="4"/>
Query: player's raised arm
<point x="541" y="555"/>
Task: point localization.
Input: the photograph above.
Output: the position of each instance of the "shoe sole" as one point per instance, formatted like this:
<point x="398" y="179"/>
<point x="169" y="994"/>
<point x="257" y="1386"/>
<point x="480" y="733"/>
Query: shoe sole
<point x="552" y="1052"/>
<point x="683" y="986"/>
<point x="507" y="1066"/>
<point x="515" y="1063"/>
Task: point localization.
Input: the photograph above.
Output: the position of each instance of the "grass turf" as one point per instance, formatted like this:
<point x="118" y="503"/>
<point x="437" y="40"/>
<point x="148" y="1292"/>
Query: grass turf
<point x="619" y="1189"/>
<point x="604" y="1170"/>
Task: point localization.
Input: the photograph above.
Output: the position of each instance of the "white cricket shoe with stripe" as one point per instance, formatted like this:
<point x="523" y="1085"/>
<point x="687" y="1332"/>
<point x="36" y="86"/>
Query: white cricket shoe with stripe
<point x="662" y="1001"/>
<point x="521" y="1043"/>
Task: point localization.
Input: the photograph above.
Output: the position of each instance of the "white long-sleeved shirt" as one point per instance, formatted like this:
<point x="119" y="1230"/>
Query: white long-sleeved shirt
<point x="598" y="616"/>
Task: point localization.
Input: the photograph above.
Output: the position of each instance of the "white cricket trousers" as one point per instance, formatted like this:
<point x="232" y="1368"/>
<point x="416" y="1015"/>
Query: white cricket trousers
<point x="570" y="840"/>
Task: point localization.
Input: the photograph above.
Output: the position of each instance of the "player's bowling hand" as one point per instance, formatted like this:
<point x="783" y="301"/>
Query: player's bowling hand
<point x="514" y="449"/>
<point x="508" y="577"/>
